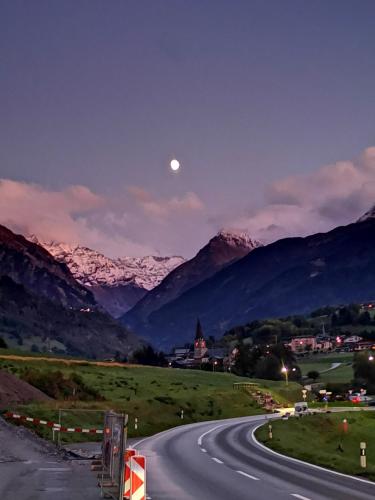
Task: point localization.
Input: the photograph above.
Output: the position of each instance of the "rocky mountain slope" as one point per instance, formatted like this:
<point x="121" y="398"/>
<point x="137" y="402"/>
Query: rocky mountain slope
<point x="117" y="284"/>
<point x="42" y="305"/>
<point x="32" y="266"/>
<point x="223" y="249"/>
<point x="32" y="322"/>
<point x="290" y="276"/>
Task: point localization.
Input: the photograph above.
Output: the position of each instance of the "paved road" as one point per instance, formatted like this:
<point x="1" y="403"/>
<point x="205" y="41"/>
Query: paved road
<point x="32" y="470"/>
<point x="219" y="461"/>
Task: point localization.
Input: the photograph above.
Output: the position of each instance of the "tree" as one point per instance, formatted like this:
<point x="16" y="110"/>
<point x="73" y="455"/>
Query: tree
<point x="3" y="344"/>
<point x="364" y="370"/>
<point x="313" y="374"/>
<point x="146" y="355"/>
<point x="246" y="360"/>
<point x="269" y="368"/>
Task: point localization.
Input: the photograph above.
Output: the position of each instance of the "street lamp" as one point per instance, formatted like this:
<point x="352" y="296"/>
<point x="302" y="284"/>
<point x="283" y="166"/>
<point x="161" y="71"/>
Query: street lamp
<point x="284" y="370"/>
<point x="371" y="357"/>
<point x="213" y="366"/>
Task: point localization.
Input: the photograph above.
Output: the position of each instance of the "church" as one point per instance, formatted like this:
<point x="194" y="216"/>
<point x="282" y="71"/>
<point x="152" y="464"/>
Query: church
<point x="200" y="348"/>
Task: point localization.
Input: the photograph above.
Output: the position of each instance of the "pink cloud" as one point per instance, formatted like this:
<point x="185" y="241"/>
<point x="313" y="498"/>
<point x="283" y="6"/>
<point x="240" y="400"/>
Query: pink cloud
<point x="298" y="205"/>
<point x="165" y="207"/>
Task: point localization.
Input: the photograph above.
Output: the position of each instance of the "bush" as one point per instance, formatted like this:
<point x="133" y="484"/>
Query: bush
<point x="57" y="386"/>
<point x="313" y="374"/>
<point x="3" y="344"/>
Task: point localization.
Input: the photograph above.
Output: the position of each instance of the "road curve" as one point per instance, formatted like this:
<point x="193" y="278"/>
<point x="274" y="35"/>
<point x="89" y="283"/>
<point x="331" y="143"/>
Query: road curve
<point x="220" y="461"/>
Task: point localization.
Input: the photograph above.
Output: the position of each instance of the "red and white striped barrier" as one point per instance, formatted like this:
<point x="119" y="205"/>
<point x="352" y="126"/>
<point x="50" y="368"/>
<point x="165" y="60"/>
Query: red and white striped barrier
<point x="53" y="425"/>
<point x="127" y="474"/>
<point x="138" y="478"/>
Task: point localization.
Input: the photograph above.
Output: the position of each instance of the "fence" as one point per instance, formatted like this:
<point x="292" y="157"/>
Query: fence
<point x="113" y="455"/>
<point x="81" y="418"/>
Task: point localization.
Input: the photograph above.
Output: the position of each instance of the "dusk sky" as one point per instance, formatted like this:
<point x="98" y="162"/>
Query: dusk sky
<point x="269" y="106"/>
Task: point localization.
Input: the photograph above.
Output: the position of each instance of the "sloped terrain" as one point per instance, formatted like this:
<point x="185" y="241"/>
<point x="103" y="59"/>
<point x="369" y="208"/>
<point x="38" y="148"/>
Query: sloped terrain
<point x="14" y="391"/>
<point x="32" y="266"/>
<point x="29" y="320"/>
<point x="223" y="249"/>
<point x="290" y="276"/>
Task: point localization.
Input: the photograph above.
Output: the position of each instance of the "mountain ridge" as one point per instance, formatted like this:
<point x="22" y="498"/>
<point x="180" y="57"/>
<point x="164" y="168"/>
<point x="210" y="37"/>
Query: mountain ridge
<point x="224" y="248"/>
<point x="117" y="284"/>
<point x="289" y="276"/>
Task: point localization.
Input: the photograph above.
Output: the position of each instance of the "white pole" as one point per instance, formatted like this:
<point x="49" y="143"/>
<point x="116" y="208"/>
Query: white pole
<point x="362" y="447"/>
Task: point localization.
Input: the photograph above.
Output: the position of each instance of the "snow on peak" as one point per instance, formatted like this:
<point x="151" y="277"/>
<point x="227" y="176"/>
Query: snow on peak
<point x="92" y="268"/>
<point x="370" y="214"/>
<point x="238" y="237"/>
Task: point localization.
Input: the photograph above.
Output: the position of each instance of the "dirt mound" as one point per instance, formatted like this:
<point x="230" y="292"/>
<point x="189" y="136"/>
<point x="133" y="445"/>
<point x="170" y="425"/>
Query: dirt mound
<point x="15" y="391"/>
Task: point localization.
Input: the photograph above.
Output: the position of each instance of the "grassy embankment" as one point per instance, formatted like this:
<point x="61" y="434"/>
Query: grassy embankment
<point x="317" y="439"/>
<point x="155" y="396"/>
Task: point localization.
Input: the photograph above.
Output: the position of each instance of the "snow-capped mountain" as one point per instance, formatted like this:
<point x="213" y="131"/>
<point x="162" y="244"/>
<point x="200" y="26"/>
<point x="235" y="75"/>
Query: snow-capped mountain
<point x="223" y="249"/>
<point x="116" y="283"/>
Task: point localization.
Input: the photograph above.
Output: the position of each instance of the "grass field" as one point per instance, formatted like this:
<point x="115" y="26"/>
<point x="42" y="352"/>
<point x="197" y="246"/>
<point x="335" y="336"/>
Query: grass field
<point x="155" y="396"/>
<point x="320" y="363"/>
<point x="317" y="439"/>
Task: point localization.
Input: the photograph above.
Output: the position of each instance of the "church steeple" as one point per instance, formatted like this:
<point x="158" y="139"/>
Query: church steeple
<point x="200" y="348"/>
<point x="198" y="331"/>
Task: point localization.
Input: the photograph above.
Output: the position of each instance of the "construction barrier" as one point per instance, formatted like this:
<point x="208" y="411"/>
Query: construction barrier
<point x="127" y="474"/>
<point x="112" y="481"/>
<point x="138" y="477"/>
<point x="55" y="426"/>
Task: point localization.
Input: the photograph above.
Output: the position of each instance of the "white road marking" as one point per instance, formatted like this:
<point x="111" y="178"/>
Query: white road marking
<point x="217" y="460"/>
<point x="299" y="496"/>
<point x="291" y="459"/>
<point x="53" y="469"/>
<point x="248" y="475"/>
<point x="208" y="432"/>
<point x="204" y="450"/>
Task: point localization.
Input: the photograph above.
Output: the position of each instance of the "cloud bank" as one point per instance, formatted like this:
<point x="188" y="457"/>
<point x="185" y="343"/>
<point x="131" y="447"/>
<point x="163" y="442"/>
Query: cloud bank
<point x="303" y="204"/>
<point x="136" y="222"/>
<point x="127" y="226"/>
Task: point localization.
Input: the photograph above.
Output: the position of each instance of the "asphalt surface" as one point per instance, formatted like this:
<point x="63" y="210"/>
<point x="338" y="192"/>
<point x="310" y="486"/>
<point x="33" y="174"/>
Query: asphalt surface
<point x="220" y="461"/>
<point x="31" y="469"/>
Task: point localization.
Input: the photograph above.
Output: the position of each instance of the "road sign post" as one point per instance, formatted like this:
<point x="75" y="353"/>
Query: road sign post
<point x="270" y="435"/>
<point x="362" y="447"/>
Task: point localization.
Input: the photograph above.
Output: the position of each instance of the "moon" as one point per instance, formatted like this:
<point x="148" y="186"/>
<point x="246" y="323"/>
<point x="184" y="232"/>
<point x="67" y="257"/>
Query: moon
<point x="175" y="165"/>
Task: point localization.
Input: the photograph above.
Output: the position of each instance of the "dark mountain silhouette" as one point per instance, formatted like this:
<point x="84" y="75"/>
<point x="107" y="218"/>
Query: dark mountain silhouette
<point x="44" y="307"/>
<point x="290" y="276"/>
<point x="30" y="265"/>
<point x="223" y="249"/>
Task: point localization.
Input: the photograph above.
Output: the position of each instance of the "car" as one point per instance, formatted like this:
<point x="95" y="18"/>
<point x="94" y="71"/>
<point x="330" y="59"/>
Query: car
<point x="371" y="403"/>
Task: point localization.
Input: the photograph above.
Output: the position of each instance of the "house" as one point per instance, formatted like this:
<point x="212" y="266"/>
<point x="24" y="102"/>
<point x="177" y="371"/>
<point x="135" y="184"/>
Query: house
<point x="324" y="345"/>
<point x="364" y="345"/>
<point x="303" y="344"/>
<point x="353" y="339"/>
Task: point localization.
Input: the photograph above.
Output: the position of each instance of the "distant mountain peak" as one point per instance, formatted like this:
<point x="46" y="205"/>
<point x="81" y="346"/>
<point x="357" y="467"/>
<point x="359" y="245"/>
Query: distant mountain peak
<point x="237" y="237"/>
<point x="92" y="268"/>
<point x="370" y="214"/>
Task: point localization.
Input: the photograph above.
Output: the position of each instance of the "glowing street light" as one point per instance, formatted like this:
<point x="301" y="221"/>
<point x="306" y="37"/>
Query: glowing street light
<point x="371" y="357"/>
<point x="284" y="370"/>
